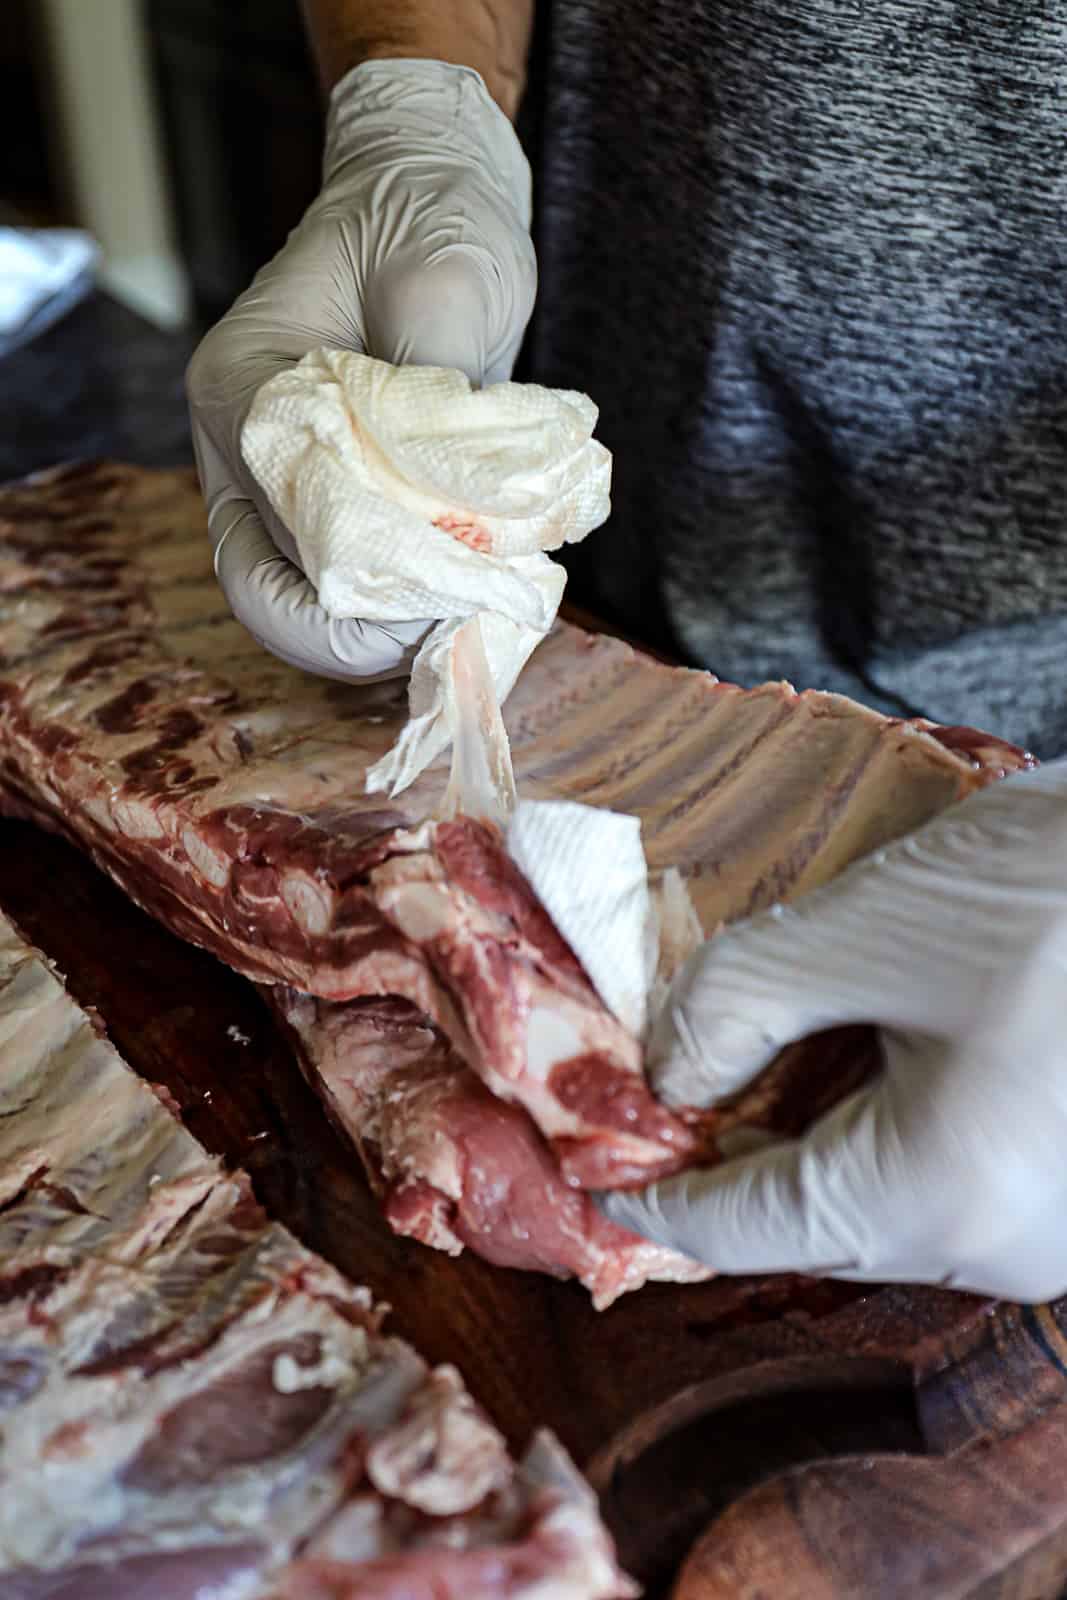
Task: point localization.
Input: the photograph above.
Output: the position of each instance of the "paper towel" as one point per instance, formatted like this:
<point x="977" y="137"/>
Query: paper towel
<point x="409" y="495"/>
<point x="587" y="867"/>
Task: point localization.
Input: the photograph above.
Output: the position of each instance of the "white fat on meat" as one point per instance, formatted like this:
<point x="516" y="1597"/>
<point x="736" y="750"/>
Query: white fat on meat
<point x="214" y="866"/>
<point x="307" y="902"/>
<point x="289" y="1376"/>
<point x="421" y="909"/>
<point x="551" y="1037"/>
<point x="139" y="821"/>
<point x="443" y="1456"/>
<point x="358" y="1532"/>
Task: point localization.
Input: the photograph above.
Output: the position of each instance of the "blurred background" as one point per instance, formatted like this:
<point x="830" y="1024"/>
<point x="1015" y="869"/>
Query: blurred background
<point x="183" y="138"/>
<point x="184" y="135"/>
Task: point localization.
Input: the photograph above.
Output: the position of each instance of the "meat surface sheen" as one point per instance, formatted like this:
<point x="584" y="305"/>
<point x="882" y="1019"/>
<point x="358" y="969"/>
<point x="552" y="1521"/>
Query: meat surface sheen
<point x="454" y="1165"/>
<point x="225" y="792"/>
<point x="191" y="1402"/>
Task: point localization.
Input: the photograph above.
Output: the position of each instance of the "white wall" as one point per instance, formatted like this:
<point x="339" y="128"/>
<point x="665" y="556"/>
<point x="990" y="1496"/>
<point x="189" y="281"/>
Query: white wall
<point x="108" y="140"/>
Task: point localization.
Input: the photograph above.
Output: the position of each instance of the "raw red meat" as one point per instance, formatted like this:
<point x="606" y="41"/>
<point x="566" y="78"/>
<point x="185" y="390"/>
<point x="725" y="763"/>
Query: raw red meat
<point x="194" y="1403"/>
<point x="225" y="792"/>
<point x="453" y="1164"/>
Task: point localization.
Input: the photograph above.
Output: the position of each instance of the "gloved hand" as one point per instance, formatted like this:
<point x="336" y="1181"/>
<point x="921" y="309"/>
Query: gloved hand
<point x="417" y="250"/>
<point x="951" y="1167"/>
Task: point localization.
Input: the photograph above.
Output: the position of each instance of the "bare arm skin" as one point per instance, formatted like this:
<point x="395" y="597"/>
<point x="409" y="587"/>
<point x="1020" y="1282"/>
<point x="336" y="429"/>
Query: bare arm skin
<point x="492" y="36"/>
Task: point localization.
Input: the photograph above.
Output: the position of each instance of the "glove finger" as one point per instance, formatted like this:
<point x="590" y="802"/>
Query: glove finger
<point x="751" y="990"/>
<point x="305" y="299"/>
<point x="757" y="1216"/>
<point x="272" y="599"/>
<point x="997" y="1129"/>
<point x="222" y="493"/>
<point x="814" y="1205"/>
<point x="300" y="301"/>
<point x="444" y="313"/>
<point x="948" y="1169"/>
<point x="882" y="943"/>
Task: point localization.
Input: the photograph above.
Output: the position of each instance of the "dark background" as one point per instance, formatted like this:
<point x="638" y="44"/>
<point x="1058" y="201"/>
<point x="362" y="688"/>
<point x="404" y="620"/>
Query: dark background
<point x="242" y="120"/>
<point x="242" y="123"/>
<point x="242" y="126"/>
<point x="242" y="115"/>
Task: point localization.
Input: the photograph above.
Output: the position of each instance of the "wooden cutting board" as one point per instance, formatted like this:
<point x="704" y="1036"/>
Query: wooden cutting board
<point x="799" y="1439"/>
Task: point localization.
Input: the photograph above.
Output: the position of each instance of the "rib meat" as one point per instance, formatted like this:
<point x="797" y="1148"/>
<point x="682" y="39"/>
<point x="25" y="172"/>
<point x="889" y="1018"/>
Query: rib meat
<point x="454" y="1165"/>
<point x="225" y="792"/>
<point x="194" y="1403"/>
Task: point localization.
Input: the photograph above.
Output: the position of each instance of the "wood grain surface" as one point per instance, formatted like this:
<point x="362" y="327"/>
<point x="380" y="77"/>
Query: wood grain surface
<point x="830" y="1440"/>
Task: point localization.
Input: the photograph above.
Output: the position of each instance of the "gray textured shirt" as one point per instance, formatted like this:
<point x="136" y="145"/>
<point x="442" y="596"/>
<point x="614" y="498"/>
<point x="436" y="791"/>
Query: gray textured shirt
<point x="810" y="259"/>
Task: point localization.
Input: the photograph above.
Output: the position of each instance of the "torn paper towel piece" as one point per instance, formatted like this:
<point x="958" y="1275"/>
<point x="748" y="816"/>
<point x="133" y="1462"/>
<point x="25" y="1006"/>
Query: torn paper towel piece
<point x="411" y="495"/>
<point x="481" y="782"/>
<point x="587" y="867"/>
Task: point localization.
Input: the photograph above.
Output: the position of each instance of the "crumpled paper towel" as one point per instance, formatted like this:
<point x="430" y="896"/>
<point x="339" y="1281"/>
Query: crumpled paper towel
<point x="587" y="867"/>
<point x="409" y="494"/>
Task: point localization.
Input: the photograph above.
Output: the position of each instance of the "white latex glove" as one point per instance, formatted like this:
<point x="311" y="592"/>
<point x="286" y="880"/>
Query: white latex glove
<point x="951" y="1167"/>
<point x="417" y="250"/>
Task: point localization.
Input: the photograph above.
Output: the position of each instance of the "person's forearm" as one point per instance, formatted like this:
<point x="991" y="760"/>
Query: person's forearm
<point x="492" y="36"/>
